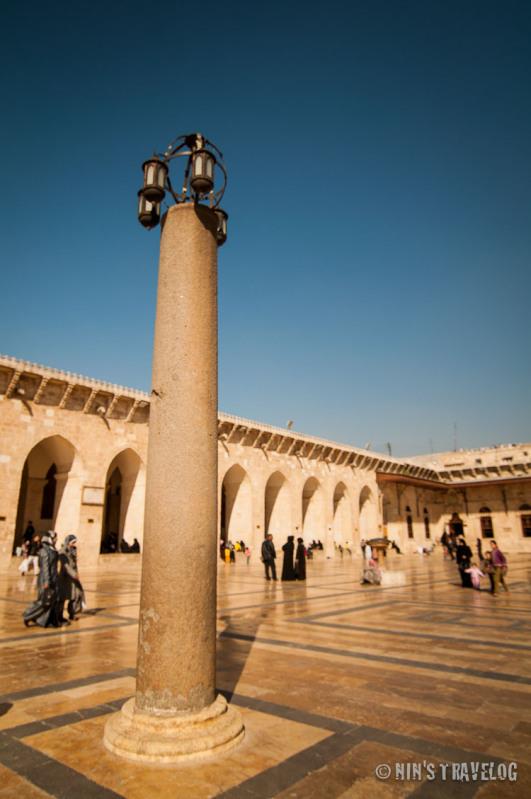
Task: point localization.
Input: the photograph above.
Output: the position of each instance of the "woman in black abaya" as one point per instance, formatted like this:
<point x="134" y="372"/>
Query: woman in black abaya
<point x="288" y="572"/>
<point x="44" y="611"/>
<point x="300" y="560"/>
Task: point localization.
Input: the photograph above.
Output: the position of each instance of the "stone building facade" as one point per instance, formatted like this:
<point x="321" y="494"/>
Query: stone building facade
<point x="73" y="458"/>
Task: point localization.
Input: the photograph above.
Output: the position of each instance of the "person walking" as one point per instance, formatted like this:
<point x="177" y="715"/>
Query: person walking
<point x="463" y="556"/>
<point x="29" y="532"/>
<point x="499" y="564"/>
<point x="451" y="546"/>
<point x="288" y="571"/>
<point x="475" y="575"/>
<point x="488" y="569"/>
<point x="31" y="555"/>
<point x="44" y="610"/>
<point x="69" y="585"/>
<point x="300" y="560"/>
<point x="268" y="557"/>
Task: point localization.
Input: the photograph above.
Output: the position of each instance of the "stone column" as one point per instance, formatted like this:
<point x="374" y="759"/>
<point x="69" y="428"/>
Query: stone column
<point x="175" y="714"/>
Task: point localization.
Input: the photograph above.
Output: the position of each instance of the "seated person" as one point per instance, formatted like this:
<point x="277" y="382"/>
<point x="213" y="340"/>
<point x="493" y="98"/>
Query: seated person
<point x="371" y="573"/>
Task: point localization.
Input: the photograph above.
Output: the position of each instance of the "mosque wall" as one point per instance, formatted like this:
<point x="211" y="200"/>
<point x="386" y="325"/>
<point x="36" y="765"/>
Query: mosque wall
<point x="415" y="516"/>
<point x="73" y="458"/>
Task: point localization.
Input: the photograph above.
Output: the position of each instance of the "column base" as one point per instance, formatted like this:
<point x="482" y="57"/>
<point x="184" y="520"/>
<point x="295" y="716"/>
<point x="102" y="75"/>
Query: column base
<point x="147" y="738"/>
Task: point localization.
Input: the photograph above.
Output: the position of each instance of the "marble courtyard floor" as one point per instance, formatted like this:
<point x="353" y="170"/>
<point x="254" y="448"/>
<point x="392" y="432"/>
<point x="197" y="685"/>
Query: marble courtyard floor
<point x="333" y="680"/>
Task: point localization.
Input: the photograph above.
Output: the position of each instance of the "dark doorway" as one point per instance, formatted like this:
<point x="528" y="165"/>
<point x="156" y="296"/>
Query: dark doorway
<point x="111" y="514"/>
<point x="456" y="525"/>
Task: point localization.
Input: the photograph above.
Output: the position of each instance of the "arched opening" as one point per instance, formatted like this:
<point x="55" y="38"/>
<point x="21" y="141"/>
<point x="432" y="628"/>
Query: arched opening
<point x="236" y="505"/>
<point x="485" y="520"/>
<point x="313" y="511"/>
<point x="43" y="488"/>
<point x="427" y="531"/>
<point x="525" y="519"/>
<point x="277" y="506"/>
<point x="409" y="522"/>
<point x="122" y="512"/>
<point x="368" y="515"/>
<point x="342" y="526"/>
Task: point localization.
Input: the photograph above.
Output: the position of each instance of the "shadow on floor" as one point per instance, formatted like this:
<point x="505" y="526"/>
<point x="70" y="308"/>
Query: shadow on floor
<point x="232" y="652"/>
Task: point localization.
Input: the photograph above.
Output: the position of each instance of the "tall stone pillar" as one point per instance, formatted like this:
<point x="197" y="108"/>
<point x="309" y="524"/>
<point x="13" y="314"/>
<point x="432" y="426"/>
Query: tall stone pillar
<point x="175" y="714"/>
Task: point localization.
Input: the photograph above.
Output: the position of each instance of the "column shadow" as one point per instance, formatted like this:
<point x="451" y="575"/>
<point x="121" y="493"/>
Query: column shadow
<point x="233" y="649"/>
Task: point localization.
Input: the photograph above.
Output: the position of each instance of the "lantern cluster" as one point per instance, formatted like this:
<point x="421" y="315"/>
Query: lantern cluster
<point x="199" y="181"/>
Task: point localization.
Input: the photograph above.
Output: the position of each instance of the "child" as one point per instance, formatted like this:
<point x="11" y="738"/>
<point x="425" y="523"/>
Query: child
<point x="247" y="554"/>
<point x="475" y="575"/>
<point x="488" y="568"/>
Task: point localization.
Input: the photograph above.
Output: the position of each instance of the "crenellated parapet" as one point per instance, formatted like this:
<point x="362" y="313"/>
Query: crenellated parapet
<point x="55" y="388"/>
<point x="43" y="385"/>
<point x="33" y="383"/>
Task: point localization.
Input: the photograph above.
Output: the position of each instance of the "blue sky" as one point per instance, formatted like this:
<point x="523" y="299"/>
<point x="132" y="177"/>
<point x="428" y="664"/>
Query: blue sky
<point x="376" y="282"/>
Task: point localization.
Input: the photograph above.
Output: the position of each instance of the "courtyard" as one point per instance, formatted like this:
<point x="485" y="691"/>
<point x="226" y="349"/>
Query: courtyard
<point x="333" y="680"/>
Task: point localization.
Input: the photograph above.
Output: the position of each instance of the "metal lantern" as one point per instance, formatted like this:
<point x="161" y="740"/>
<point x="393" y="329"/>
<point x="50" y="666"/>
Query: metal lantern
<point x="221" y="230"/>
<point x="203" y="159"/>
<point x="202" y="177"/>
<point x="155" y="174"/>
<point x="148" y="212"/>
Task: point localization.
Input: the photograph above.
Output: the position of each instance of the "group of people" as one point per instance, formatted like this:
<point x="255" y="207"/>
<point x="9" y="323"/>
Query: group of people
<point x="58" y="582"/>
<point x="293" y="561"/>
<point x="491" y="564"/>
<point x="228" y="550"/>
<point x="111" y="543"/>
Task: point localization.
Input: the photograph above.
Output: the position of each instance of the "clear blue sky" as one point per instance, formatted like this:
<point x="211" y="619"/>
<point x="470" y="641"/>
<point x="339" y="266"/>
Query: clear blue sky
<point x="376" y="283"/>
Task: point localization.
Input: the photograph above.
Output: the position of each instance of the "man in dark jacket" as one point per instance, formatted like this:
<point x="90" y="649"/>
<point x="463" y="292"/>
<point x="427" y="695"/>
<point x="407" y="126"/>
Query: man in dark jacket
<point x="268" y="557"/>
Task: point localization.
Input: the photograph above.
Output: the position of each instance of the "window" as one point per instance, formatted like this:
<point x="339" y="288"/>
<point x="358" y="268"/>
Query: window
<point x="409" y="522"/>
<point x="526" y="520"/>
<point x="427" y="523"/>
<point x="485" y="520"/>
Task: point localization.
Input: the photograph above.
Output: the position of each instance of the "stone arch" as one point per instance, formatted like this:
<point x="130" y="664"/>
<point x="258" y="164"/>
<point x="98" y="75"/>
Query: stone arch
<point x="122" y="510"/>
<point x="368" y="523"/>
<point x="342" y="516"/>
<point x="277" y="506"/>
<point x="313" y="510"/>
<point x="236" y="505"/>
<point x="49" y="484"/>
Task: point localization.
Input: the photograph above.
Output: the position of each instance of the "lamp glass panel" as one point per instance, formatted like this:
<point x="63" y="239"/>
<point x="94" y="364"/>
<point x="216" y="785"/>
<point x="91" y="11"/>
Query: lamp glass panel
<point x="198" y="165"/>
<point x="209" y="166"/>
<point x="150" y="173"/>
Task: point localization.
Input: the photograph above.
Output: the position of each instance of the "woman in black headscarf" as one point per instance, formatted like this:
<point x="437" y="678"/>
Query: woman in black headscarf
<point x="300" y="560"/>
<point x="288" y="572"/>
<point x="70" y="588"/>
<point x="44" y="610"/>
<point x="463" y="557"/>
